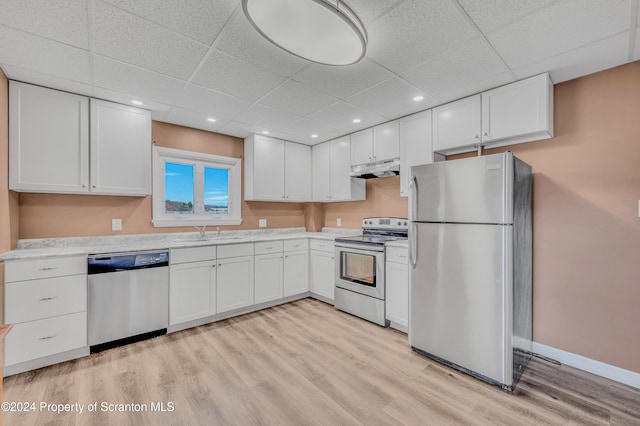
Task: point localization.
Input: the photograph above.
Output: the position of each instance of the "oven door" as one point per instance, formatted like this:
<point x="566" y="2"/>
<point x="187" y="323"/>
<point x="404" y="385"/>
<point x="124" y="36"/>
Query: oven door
<point x="360" y="269"/>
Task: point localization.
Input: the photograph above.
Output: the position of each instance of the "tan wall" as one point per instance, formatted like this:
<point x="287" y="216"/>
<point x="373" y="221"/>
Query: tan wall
<point x="54" y="215"/>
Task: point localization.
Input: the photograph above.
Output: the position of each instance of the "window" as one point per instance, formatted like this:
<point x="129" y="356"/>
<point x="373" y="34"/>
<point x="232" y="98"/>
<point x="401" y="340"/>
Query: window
<point x="191" y="188"/>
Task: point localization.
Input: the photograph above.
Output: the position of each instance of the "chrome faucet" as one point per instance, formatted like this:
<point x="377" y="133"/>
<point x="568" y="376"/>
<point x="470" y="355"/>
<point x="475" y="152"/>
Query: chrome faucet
<point x="201" y="230"/>
<point x="217" y="232"/>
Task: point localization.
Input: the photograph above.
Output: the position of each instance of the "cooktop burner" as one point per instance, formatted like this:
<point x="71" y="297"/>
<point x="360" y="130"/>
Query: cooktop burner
<point x="379" y="230"/>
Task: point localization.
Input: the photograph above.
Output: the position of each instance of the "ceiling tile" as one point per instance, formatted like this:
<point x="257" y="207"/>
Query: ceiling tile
<point x="241" y="40"/>
<point x="126" y="98"/>
<point x="45" y="80"/>
<point x="233" y="76"/>
<point x="239" y="130"/>
<point x="585" y="60"/>
<point x="390" y="99"/>
<point x="212" y="103"/>
<point x="135" y="81"/>
<point x="61" y="20"/>
<point x="303" y="129"/>
<point x="344" y="81"/>
<point x="266" y="118"/>
<point x="201" y="20"/>
<point x="558" y="28"/>
<point x="475" y="62"/>
<point x="130" y="39"/>
<point x="42" y="55"/>
<point x="340" y="117"/>
<point x="416" y="31"/>
<point x="369" y="10"/>
<point x="296" y="98"/>
<point x="194" y="119"/>
<point x="491" y="14"/>
<point x="467" y="90"/>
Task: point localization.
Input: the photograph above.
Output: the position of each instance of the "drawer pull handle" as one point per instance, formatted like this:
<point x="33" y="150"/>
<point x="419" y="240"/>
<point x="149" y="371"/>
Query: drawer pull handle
<point x="401" y="256"/>
<point x="48" y="268"/>
<point x="296" y="245"/>
<point x="48" y="337"/>
<point x="269" y="248"/>
<point x="47" y="299"/>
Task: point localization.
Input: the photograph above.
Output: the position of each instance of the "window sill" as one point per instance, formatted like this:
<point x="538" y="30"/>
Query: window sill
<point x="165" y="223"/>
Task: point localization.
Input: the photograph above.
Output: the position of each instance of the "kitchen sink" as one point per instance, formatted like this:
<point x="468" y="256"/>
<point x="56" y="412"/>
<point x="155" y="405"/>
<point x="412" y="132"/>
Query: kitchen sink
<point x="198" y="239"/>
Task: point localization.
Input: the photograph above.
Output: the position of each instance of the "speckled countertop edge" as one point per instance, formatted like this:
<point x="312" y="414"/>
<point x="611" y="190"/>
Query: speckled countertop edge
<point x="81" y="246"/>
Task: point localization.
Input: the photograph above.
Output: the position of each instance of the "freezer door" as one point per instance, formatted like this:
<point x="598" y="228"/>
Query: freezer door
<point x="460" y="296"/>
<point x="468" y="190"/>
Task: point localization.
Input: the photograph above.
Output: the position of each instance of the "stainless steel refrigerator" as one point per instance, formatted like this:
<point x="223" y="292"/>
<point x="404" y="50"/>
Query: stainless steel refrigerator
<point x="470" y="245"/>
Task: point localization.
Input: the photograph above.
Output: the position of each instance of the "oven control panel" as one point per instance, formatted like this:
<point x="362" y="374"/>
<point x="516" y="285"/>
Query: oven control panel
<point x="385" y="223"/>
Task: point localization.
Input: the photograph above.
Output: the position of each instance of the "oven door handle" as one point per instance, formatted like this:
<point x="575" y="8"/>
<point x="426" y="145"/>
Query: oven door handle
<point x="413" y="245"/>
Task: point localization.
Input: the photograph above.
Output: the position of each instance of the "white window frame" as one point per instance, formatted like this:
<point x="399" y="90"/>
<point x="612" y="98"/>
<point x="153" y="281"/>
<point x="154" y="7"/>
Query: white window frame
<point x="199" y="160"/>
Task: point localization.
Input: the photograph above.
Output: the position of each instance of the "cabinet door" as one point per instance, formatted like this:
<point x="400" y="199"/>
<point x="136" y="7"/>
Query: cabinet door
<point x="518" y="109"/>
<point x="234" y="283"/>
<point x="361" y="150"/>
<point x="297" y="172"/>
<point x="340" y="169"/>
<point x="192" y="291"/>
<point x="386" y="141"/>
<point x="296" y="272"/>
<point x="397" y="300"/>
<point x="322" y="274"/>
<point x="48" y="140"/>
<point x="268" y="168"/>
<point x="415" y="145"/>
<point x="457" y="124"/>
<point x="321" y="171"/>
<point x="120" y="149"/>
<point x="268" y="277"/>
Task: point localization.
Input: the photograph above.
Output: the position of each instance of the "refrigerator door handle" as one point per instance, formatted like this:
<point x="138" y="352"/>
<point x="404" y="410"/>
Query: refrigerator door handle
<point x="413" y="199"/>
<point x="413" y="246"/>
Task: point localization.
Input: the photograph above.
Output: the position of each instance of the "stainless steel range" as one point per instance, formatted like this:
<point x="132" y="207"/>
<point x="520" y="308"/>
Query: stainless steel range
<point x="360" y="287"/>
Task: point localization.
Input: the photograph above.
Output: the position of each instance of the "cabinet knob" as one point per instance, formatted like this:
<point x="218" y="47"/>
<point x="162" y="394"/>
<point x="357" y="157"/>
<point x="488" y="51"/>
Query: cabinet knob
<point x="213" y="266"/>
<point x="477" y="136"/>
<point x="93" y="186"/>
<point x="84" y="186"/>
<point x="486" y="134"/>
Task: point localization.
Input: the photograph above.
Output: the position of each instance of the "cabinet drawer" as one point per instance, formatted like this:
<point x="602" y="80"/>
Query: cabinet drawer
<point x="235" y="250"/>
<point x="37" y="299"/>
<point x="322" y="245"/>
<point x="22" y="270"/>
<point x="266" y="247"/>
<point x="192" y="254"/>
<point x="37" y="339"/>
<point x="397" y="255"/>
<point x="297" y="244"/>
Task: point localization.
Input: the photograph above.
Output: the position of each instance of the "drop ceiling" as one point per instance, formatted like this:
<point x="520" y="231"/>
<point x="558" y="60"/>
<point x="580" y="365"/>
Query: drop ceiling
<point x="197" y="59"/>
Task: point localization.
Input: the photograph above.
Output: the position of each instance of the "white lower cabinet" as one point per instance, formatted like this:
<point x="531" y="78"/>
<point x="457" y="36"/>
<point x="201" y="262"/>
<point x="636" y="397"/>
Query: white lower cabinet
<point x="192" y="291"/>
<point x="296" y="272"/>
<point x="322" y="269"/>
<point x="269" y="277"/>
<point x="235" y="283"/>
<point x="397" y="282"/>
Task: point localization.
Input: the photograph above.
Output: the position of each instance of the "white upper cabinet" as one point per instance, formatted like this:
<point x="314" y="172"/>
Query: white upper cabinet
<point x="457" y="124"/>
<point x="48" y="140"/>
<point x="55" y="147"/>
<point x="379" y="143"/>
<point x="276" y="170"/>
<point x="120" y="149"/>
<point x="331" y="167"/>
<point x="515" y="113"/>
<point x="415" y="145"/>
<point x="518" y="112"/>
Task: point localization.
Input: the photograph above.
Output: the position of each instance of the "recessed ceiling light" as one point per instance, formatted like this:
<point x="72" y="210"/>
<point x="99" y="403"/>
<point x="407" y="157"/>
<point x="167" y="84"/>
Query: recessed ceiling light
<point x="137" y="102"/>
<point x="356" y="120"/>
<point x="322" y="31"/>
<point x="314" y="135"/>
<point x="418" y="98"/>
<point x="265" y="132"/>
<point x="212" y="120"/>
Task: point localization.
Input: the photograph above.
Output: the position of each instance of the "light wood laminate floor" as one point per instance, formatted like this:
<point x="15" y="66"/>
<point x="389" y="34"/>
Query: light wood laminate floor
<point x="305" y="363"/>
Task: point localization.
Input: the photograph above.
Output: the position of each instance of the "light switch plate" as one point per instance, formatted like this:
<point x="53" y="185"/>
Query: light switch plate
<point x="339" y="222"/>
<point x="116" y="224"/>
<point x="262" y="223"/>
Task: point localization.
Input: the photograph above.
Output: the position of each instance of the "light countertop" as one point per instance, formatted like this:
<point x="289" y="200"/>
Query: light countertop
<point x="81" y="246"/>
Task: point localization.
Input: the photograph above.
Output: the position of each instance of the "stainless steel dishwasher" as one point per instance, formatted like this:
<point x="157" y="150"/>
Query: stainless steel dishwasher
<point x="128" y="298"/>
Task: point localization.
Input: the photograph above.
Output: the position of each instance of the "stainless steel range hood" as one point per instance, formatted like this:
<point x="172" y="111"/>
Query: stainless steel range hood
<point x="376" y="170"/>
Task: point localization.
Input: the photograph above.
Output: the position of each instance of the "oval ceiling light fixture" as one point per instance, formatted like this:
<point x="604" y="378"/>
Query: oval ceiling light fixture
<point x="136" y="102"/>
<point x="322" y="31"/>
<point x="418" y="98"/>
<point x="265" y="132"/>
<point x="211" y="120"/>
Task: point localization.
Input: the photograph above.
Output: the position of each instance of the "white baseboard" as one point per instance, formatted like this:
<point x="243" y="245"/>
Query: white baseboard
<point x="618" y="374"/>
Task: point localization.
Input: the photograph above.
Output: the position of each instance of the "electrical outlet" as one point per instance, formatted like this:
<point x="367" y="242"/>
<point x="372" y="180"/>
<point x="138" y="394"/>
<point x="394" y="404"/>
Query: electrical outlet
<point x="339" y="222"/>
<point x="116" y="224"/>
<point x="262" y="223"/>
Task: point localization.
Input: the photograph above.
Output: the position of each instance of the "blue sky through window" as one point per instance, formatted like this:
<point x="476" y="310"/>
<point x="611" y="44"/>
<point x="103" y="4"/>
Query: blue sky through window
<point x="216" y="190"/>
<point x="178" y="182"/>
